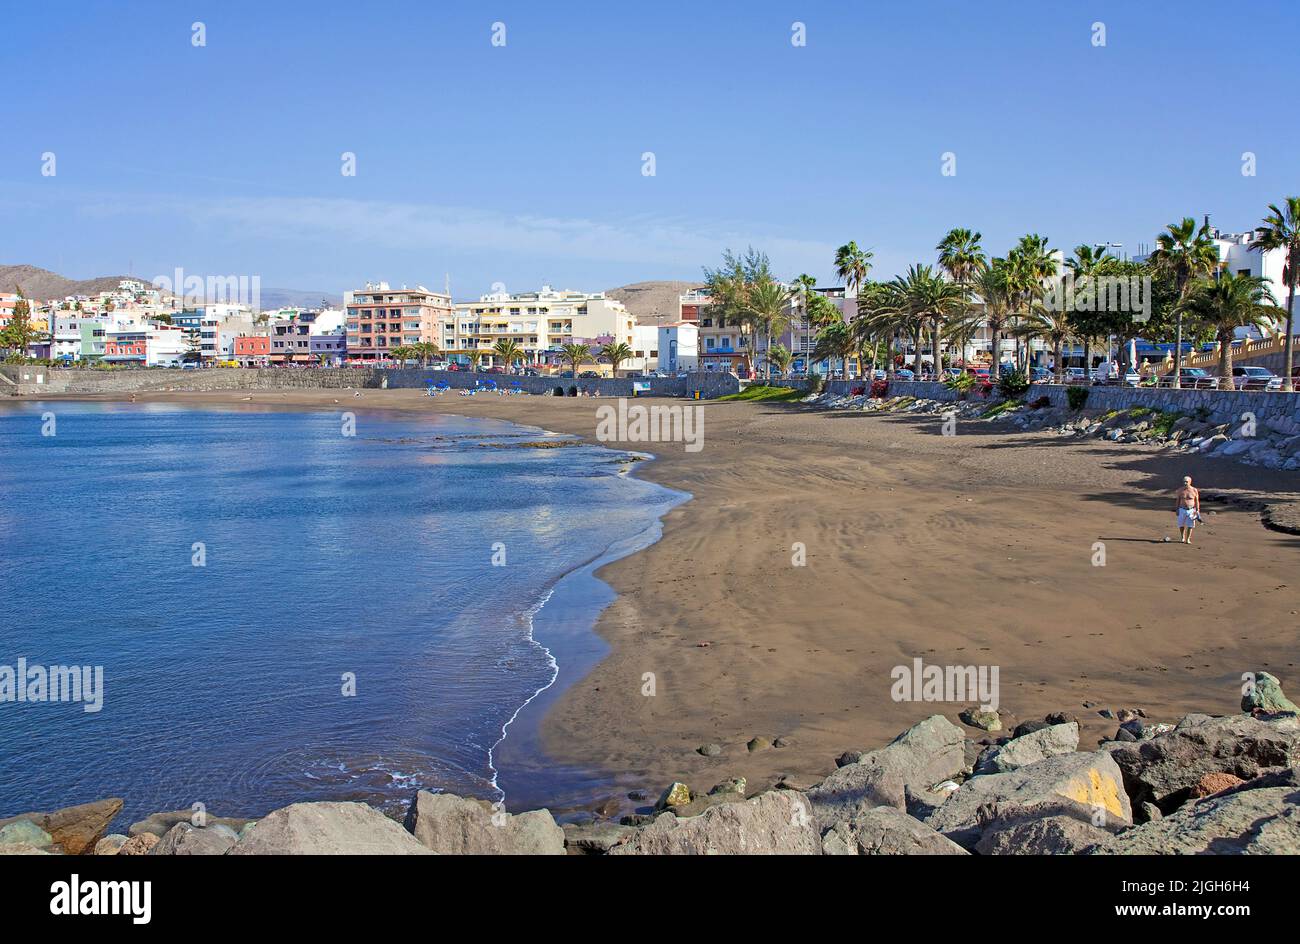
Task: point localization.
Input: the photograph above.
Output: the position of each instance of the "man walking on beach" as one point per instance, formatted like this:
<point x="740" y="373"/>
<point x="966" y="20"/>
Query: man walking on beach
<point x="1187" y="506"/>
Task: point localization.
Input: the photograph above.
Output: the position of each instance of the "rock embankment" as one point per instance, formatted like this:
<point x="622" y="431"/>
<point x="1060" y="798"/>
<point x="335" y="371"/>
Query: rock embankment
<point x="1205" y="785"/>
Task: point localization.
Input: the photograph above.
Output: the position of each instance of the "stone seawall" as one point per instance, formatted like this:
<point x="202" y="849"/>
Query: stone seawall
<point x="35" y="381"/>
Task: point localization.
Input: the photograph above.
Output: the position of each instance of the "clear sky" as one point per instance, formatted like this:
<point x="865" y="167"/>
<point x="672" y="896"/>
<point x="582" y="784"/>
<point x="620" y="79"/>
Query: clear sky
<point x="523" y="163"/>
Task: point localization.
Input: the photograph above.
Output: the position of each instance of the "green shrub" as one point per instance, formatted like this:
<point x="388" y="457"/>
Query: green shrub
<point x="962" y="384"/>
<point x="1076" y="397"/>
<point x="1013" y="384"/>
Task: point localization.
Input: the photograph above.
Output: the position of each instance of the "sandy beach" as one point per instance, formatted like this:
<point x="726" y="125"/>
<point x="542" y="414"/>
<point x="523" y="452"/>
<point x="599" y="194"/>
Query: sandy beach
<point x="975" y="549"/>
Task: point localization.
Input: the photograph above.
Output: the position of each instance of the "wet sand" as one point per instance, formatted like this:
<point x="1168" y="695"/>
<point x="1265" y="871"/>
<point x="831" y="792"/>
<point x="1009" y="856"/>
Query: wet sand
<point x="976" y="549"/>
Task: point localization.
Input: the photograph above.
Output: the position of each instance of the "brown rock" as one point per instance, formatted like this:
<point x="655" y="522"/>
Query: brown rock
<point x="1211" y="784"/>
<point x="75" y="829"/>
<point x="139" y="844"/>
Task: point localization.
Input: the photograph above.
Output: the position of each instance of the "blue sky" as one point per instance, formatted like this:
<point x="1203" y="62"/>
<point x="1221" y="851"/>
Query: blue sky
<point x="523" y="163"/>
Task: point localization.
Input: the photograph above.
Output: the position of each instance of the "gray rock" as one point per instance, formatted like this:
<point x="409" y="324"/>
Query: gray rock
<point x="1088" y="781"/>
<point x="709" y="750"/>
<point x="977" y="717"/>
<point x="1151" y="812"/>
<point x="593" y="840"/>
<point x="1253" y="822"/>
<point x="1029" y="749"/>
<point x="883" y="830"/>
<point x="184" y="839"/>
<point x="161" y="823"/>
<point x="1266" y="696"/>
<point x="25" y="832"/>
<point x="1051" y="835"/>
<point x="778" y="822"/>
<point x="327" y="829"/>
<point x="1164" y="769"/>
<point x="730" y="785"/>
<point x="924" y="755"/>
<point x="758" y="744"/>
<point x="452" y="825"/>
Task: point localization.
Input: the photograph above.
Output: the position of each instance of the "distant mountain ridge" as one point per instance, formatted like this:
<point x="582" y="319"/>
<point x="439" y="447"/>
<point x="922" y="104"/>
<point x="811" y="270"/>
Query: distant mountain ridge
<point x="42" y="284"/>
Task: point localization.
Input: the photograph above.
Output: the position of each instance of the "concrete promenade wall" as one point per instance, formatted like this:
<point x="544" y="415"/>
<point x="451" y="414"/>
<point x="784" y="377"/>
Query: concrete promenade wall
<point x="1277" y="411"/>
<point x="34" y="381"/>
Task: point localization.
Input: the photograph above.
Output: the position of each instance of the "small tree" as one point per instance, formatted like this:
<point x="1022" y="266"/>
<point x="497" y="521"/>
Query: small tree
<point x="616" y="354"/>
<point x="780" y="358"/>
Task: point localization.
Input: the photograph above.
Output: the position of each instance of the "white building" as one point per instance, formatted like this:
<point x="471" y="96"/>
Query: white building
<point x="679" y="347"/>
<point x="538" y="322"/>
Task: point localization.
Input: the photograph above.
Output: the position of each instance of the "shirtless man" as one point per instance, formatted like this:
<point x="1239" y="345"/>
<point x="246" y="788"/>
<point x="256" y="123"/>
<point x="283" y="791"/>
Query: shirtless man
<point x="1187" y="506"/>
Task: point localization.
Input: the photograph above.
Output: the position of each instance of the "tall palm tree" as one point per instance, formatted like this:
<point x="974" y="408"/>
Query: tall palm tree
<point x="402" y="353"/>
<point x="575" y="354"/>
<point x="475" y="356"/>
<point x="617" y="353"/>
<point x="882" y="318"/>
<point x="961" y="255"/>
<point x="995" y="288"/>
<point x="803" y="291"/>
<point x="930" y="299"/>
<point x="852" y="265"/>
<point x="1031" y="262"/>
<point x="1281" y="230"/>
<point x="767" y="309"/>
<point x="836" y="340"/>
<point x="1187" y="253"/>
<point x="1227" y="303"/>
<point x="507" y="351"/>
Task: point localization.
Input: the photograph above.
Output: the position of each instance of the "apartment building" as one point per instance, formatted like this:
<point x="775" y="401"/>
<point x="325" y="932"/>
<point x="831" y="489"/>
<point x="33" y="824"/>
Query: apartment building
<point x="219" y="324"/>
<point x="539" y="322"/>
<point x="722" y="343"/>
<point x="78" y="337"/>
<point x="145" y="343"/>
<point x="380" y="318"/>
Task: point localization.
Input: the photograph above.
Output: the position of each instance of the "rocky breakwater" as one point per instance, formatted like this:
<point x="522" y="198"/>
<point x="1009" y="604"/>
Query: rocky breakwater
<point x="1205" y="784"/>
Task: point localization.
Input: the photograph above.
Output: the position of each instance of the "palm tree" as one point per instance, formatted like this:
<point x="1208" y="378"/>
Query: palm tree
<point x="1186" y="253"/>
<point x="1030" y="262"/>
<point x="617" y="354"/>
<point x="729" y="287"/>
<point x="575" y="354"/>
<point x="929" y="298"/>
<point x="1051" y="326"/>
<point x="1227" y="303"/>
<point x="779" y="356"/>
<point x="475" y="355"/>
<point x="882" y="317"/>
<point x="961" y="256"/>
<point x="425" y="350"/>
<point x="1088" y="264"/>
<point x="994" y="286"/>
<point x="768" y="309"/>
<point x="835" y="340"/>
<point x="1281" y="230"/>
<point x="802" y="292"/>
<point x="401" y="354"/>
<point x="852" y="265"/>
<point x="507" y="352"/>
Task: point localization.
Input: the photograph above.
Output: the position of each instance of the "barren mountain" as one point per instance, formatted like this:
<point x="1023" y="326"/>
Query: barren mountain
<point x="42" y="284"/>
<point x="652" y="302"/>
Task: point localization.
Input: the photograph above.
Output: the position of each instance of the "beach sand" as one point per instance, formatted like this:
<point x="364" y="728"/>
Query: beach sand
<point x="975" y="549"/>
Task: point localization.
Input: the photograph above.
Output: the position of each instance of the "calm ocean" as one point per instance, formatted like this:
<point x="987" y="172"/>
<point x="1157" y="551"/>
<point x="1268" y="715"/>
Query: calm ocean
<point x="325" y="557"/>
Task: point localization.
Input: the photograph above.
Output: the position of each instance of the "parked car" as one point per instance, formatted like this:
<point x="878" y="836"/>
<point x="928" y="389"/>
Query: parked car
<point x="1077" y="375"/>
<point x="1041" y="375"/>
<point x="1195" y="377"/>
<point x="904" y="374"/>
<point x="589" y="375"/>
<point x="1245" y="377"/>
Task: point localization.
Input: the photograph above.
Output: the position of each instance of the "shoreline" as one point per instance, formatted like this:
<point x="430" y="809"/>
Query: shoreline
<point x="898" y="567"/>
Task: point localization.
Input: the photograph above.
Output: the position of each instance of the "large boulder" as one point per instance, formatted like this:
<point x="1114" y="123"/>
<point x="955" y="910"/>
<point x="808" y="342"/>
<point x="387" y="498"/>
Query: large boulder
<point x="1057" y="834"/>
<point x="1264" y="821"/>
<point x="1165" y="769"/>
<point x="75" y="829"/>
<point x="161" y="823"/>
<point x="913" y="763"/>
<point x="25" y="833"/>
<point x="1030" y="748"/>
<point x="778" y="822"/>
<point x="1090" y="781"/>
<point x="184" y="839"/>
<point x="883" y="830"/>
<point x="327" y="829"/>
<point x="452" y="825"/>
<point x="595" y="839"/>
<point x="1265" y="695"/>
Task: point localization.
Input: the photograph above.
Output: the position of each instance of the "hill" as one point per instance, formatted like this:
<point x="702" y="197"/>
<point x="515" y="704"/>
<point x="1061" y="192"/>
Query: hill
<point x="652" y="302"/>
<point x="42" y="284"/>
